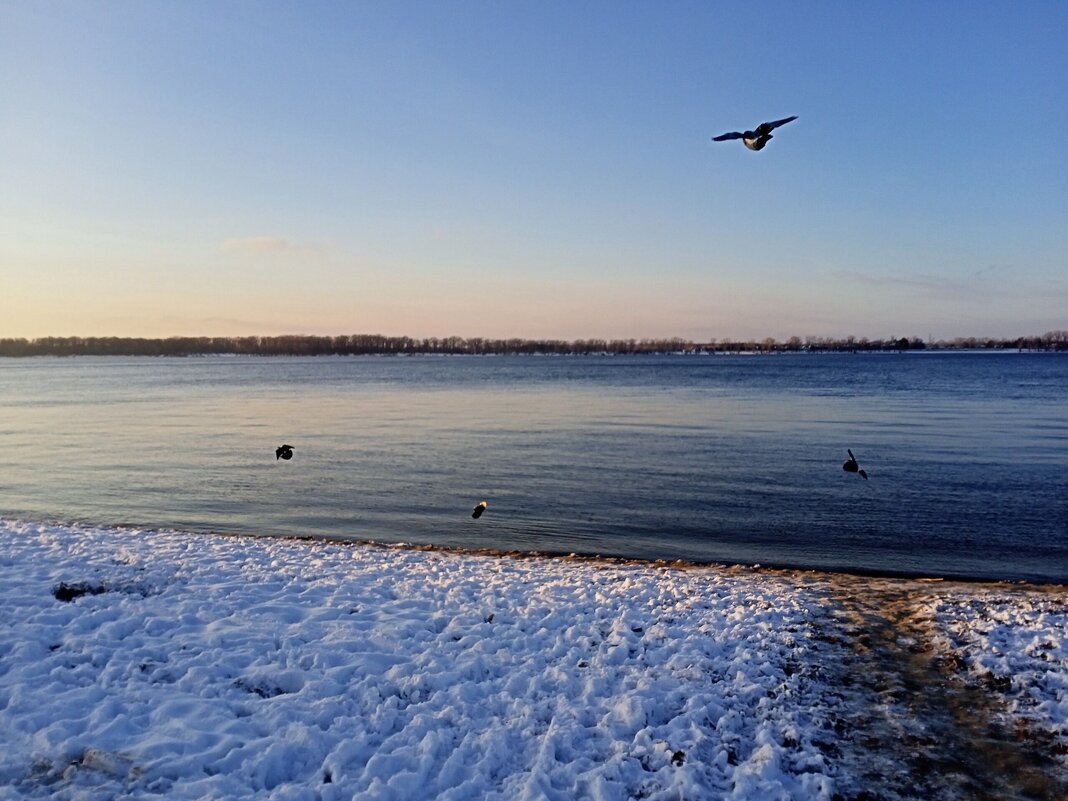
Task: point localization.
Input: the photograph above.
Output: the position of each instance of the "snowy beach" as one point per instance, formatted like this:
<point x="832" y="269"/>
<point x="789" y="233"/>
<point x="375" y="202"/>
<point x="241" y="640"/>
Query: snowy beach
<point x="154" y="664"/>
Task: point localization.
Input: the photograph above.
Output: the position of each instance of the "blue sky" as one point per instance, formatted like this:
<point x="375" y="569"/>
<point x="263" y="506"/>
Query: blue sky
<point x="533" y="169"/>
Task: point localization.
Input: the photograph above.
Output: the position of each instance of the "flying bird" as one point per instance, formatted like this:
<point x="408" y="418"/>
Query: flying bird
<point x="755" y="140"/>
<point x="283" y="452"/>
<point x="850" y="465"/>
<point x="480" y="507"/>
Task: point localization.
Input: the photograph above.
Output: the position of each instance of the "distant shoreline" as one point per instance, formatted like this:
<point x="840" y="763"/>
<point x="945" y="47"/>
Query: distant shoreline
<point x="604" y="354"/>
<point x="377" y="344"/>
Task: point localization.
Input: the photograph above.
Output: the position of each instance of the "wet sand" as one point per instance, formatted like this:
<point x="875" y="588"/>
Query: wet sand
<point x="916" y="723"/>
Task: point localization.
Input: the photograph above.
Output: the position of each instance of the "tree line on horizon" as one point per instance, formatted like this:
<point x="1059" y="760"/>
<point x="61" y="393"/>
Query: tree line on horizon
<point x="378" y="344"/>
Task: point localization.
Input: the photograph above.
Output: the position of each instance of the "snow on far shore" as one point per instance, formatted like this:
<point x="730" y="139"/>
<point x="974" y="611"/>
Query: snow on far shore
<point x="191" y="666"/>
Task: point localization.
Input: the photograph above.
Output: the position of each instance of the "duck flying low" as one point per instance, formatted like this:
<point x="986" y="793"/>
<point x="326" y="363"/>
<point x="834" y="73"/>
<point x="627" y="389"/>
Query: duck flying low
<point x="283" y="452"/>
<point x="480" y="507"/>
<point x="850" y="465"/>
<point x="758" y="137"/>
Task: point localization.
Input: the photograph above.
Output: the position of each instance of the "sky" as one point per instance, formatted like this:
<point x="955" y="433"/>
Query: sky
<point x="533" y="169"/>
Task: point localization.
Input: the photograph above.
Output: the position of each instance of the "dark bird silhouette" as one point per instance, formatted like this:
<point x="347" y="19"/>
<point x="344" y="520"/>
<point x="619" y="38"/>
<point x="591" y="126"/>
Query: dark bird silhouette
<point x="283" y="452"/>
<point x="756" y="139"/>
<point x="850" y="465"/>
<point x="480" y="507"/>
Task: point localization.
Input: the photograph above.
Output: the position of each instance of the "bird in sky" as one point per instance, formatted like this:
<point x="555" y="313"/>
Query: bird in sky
<point x="755" y="140"/>
<point x="850" y="465"/>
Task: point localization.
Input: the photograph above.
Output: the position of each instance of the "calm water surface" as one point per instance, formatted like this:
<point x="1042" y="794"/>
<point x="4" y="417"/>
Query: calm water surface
<point x="712" y="458"/>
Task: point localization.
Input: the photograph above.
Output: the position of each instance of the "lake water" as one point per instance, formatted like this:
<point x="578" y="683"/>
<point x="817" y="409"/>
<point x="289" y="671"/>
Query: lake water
<point x="708" y="458"/>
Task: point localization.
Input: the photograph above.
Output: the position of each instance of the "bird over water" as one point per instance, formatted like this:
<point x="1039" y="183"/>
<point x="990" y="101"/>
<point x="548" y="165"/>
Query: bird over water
<point x="850" y="465"/>
<point x="283" y="452"/>
<point x="757" y="138"/>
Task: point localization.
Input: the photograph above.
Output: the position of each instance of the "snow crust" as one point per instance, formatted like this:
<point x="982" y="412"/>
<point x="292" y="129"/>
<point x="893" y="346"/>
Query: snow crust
<point x="192" y="666"/>
<point x="1018" y="650"/>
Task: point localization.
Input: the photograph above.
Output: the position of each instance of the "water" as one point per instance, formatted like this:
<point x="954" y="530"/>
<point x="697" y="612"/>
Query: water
<point x="709" y="458"/>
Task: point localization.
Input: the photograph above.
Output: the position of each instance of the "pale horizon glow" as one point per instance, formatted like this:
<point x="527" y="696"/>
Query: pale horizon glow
<point x="544" y="171"/>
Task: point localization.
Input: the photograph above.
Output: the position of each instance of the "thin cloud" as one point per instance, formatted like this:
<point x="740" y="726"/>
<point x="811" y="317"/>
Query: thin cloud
<point x="258" y="245"/>
<point x="977" y="287"/>
<point x="914" y="281"/>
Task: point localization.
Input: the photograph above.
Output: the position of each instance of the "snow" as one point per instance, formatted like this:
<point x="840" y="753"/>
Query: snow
<point x="192" y="666"/>
<point x="1020" y="651"/>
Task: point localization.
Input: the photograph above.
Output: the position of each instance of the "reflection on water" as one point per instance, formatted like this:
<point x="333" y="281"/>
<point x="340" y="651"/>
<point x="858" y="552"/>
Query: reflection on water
<point x="709" y="458"/>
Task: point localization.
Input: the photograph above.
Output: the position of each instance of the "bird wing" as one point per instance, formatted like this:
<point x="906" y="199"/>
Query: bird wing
<point x="726" y="136"/>
<point x="773" y="125"/>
